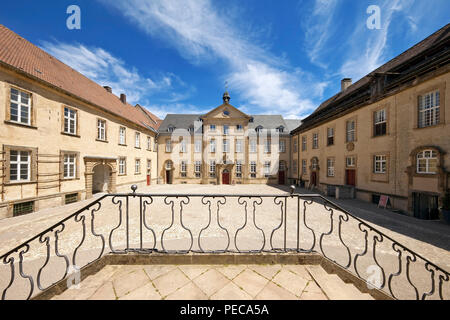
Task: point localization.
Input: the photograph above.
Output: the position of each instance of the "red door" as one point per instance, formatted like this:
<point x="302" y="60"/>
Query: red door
<point x="351" y="177"/>
<point x="225" y="177"/>
<point x="280" y="177"/>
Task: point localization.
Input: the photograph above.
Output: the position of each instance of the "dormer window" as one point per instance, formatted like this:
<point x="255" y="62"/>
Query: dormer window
<point x="251" y="120"/>
<point x="259" y="129"/>
<point x="171" y="129"/>
<point x="191" y="129"/>
<point x="280" y="129"/>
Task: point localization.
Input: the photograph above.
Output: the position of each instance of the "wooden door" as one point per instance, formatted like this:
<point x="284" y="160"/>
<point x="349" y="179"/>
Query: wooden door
<point x="280" y="177"/>
<point x="351" y="177"/>
<point x="225" y="177"/>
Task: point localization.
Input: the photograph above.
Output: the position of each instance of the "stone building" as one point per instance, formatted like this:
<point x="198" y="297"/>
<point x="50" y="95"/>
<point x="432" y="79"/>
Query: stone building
<point x="63" y="137"/>
<point x="225" y="146"/>
<point x="387" y="134"/>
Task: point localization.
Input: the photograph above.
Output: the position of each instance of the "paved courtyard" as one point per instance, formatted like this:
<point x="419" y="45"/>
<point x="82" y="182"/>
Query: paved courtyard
<point x="203" y="282"/>
<point x="260" y="227"/>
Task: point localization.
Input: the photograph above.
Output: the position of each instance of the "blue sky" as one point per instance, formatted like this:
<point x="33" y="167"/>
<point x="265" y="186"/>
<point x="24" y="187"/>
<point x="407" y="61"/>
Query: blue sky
<point x="278" y="57"/>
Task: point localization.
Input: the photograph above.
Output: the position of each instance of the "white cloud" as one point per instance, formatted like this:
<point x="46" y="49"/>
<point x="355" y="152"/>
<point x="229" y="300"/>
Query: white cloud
<point x="105" y="69"/>
<point x="203" y="34"/>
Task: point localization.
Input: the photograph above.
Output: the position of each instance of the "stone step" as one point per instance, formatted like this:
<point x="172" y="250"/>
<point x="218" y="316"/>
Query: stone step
<point x="334" y="287"/>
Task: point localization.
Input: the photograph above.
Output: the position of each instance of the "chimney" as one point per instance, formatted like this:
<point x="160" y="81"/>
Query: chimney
<point x="345" y="83"/>
<point x="108" y="89"/>
<point x="123" y="98"/>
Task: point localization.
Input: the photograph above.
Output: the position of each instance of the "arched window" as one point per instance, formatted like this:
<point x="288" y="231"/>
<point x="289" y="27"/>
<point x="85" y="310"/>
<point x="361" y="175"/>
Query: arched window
<point x="427" y="162"/>
<point x="169" y="165"/>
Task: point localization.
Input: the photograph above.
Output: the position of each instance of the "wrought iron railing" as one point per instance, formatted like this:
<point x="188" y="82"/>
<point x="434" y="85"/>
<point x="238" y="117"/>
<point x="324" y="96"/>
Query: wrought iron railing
<point x="179" y="224"/>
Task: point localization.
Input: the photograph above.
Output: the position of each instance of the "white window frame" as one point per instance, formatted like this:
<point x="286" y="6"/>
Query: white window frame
<point x="101" y="130"/>
<point x="239" y="128"/>
<point x="183" y="169"/>
<point x="137" y="140"/>
<point x="380" y="164"/>
<point x="198" y="169"/>
<point x="238" y="169"/>
<point x="427" y="156"/>
<point x="253" y="146"/>
<point x="212" y="168"/>
<point x="149" y="143"/>
<point x="330" y="134"/>
<point x="21" y="106"/>
<point x="315" y="141"/>
<point x="282" y="146"/>
<point x="70" y="118"/>
<point x="304" y="143"/>
<point x="226" y="146"/>
<point x="212" y="127"/>
<point x="267" y="146"/>
<point x="122" y="166"/>
<point x="330" y="167"/>
<point x="137" y="166"/>
<point x="122" y="136"/>
<point x="350" y="162"/>
<point x="267" y="169"/>
<point x="239" y="146"/>
<point x="212" y="146"/>
<point x="18" y="164"/>
<point x="429" y="109"/>
<point x="70" y="164"/>
<point x="226" y="129"/>
<point x="253" y="169"/>
<point x="183" y="146"/>
<point x="350" y="130"/>
<point x="198" y="146"/>
<point x="168" y="145"/>
<point x="304" y="167"/>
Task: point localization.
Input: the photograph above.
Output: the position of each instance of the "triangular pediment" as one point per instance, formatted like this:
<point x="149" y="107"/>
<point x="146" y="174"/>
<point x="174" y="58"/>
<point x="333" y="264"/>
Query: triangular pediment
<point x="225" y="111"/>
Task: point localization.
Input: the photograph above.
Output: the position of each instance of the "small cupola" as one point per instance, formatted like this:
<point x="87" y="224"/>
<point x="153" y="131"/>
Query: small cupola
<point x="226" y="97"/>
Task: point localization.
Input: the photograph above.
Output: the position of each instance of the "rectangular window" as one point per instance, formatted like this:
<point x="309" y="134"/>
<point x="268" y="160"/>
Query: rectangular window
<point x="238" y="169"/>
<point x="239" y="146"/>
<point x="212" y="146"/>
<point x="295" y="145"/>
<point x="122" y="136"/>
<point x="239" y="128"/>
<point x="252" y="145"/>
<point x="267" y="146"/>
<point x="20" y="107"/>
<point x="253" y="169"/>
<point x="101" y="130"/>
<point x="137" y="166"/>
<point x="379" y="164"/>
<point x="350" y="126"/>
<point x="330" y="167"/>
<point x="379" y="123"/>
<point x="330" y="136"/>
<point x="198" y="145"/>
<point x="70" y="121"/>
<point x="23" y="208"/>
<point x="183" y="169"/>
<point x="427" y="162"/>
<point x="212" y="169"/>
<point x="123" y="166"/>
<point x="267" y="169"/>
<point x="137" y="143"/>
<point x="315" y="140"/>
<point x="226" y="146"/>
<point x="304" y="143"/>
<point x="149" y="143"/>
<point x="20" y="166"/>
<point x="183" y="146"/>
<point x="282" y="146"/>
<point x="70" y="166"/>
<point x="168" y="145"/>
<point x="198" y="168"/>
<point x="350" y="162"/>
<point x="226" y="129"/>
<point x="212" y="127"/>
<point x="71" y="198"/>
<point x="429" y="109"/>
<point x="294" y="165"/>
<point x="303" y="166"/>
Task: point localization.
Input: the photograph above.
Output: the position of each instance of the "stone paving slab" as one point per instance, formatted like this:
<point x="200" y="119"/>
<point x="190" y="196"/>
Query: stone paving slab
<point x="197" y="282"/>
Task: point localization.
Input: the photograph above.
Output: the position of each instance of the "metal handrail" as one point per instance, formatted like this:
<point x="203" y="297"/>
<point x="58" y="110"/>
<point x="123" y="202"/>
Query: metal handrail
<point x="249" y="202"/>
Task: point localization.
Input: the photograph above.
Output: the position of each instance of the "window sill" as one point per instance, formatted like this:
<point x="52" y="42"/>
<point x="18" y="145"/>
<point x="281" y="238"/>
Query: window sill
<point x="104" y="141"/>
<point x="11" y="184"/>
<point x="123" y="145"/>
<point x="69" y="179"/>
<point x="138" y="148"/>
<point x="70" y="134"/>
<point x="18" y="124"/>
<point x="429" y="127"/>
<point x="379" y="136"/>
<point x="122" y="175"/>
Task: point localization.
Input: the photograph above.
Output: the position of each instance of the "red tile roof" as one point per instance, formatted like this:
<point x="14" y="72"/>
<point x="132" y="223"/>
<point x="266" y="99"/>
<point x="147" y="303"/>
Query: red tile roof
<point x="20" y="54"/>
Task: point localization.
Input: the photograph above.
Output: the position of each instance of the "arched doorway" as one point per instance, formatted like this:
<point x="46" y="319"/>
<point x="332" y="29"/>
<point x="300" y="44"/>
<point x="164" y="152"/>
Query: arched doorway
<point x="282" y="173"/>
<point x="225" y="176"/>
<point x="101" y="178"/>
<point x="314" y="182"/>
<point x="168" y="172"/>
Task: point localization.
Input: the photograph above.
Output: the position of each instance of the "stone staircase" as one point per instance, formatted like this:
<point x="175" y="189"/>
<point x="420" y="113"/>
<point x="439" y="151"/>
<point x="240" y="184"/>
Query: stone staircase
<point x="334" y="287"/>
